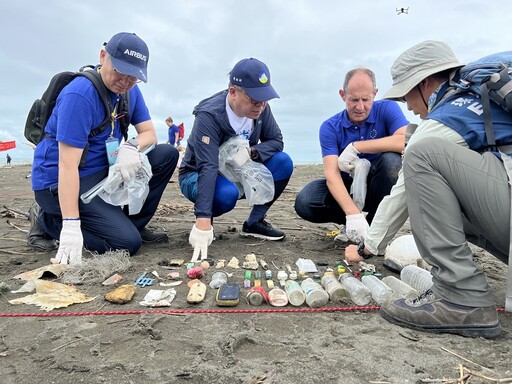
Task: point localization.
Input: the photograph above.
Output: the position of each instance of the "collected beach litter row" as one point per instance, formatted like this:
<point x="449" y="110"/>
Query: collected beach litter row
<point x="311" y="284"/>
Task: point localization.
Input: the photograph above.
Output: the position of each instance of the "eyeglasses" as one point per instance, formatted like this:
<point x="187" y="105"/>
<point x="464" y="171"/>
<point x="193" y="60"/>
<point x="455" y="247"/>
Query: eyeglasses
<point x="122" y="76"/>
<point x="253" y="102"/>
<point x="130" y="79"/>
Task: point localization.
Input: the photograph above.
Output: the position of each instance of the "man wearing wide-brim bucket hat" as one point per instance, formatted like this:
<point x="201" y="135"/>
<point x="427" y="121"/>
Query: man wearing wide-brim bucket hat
<point x="452" y="191"/>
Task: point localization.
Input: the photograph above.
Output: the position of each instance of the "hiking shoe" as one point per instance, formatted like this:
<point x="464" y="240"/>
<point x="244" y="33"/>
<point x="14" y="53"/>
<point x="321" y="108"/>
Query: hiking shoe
<point x="153" y="237"/>
<point x="36" y="238"/>
<point x="262" y="230"/>
<point x="431" y="314"/>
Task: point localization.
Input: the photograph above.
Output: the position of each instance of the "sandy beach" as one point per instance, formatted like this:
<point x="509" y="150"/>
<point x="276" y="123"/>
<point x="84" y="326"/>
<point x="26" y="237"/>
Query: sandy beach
<point x="102" y="342"/>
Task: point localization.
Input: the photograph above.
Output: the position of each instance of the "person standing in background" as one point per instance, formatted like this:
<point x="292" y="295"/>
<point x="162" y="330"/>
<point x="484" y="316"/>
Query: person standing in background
<point x="173" y="132"/>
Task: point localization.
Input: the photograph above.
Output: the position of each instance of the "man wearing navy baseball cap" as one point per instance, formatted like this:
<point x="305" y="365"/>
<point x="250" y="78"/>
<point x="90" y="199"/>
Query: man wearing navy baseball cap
<point x="78" y="150"/>
<point x="129" y="55"/>
<point x="241" y="110"/>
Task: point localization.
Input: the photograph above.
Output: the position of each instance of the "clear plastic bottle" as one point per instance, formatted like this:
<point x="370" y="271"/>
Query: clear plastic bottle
<point x="296" y="295"/>
<point x="418" y="278"/>
<point x="333" y="287"/>
<point x="316" y="296"/>
<point x="359" y="293"/>
<point x="380" y="291"/>
<point x="401" y="290"/>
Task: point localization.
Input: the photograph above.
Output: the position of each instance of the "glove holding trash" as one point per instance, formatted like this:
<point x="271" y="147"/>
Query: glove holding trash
<point x="240" y="157"/>
<point x="252" y="178"/>
<point x="347" y="159"/>
<point x="356" y="227"/>
<point x="359" y="187"/>
<point x="128" y="161"/>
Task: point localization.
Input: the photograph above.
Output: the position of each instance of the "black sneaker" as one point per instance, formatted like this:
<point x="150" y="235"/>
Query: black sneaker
<point x="431" y="314"/>
<point x="36" y="238"/>
<point x="153" y="237"/>
<point x="262" y="230"/>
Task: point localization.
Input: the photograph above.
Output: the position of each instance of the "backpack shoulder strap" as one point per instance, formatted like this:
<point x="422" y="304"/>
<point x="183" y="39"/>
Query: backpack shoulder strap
<point x="95" y="78"/>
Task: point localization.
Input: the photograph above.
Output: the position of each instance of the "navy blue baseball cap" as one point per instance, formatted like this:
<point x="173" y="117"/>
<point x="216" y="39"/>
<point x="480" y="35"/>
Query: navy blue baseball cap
<point x="129" y="55"/>
<point x="254" y="77"/>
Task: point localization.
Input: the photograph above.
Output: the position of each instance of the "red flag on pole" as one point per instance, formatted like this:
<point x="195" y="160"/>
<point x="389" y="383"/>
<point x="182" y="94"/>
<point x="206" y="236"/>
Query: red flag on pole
<point x="6" y="145"/>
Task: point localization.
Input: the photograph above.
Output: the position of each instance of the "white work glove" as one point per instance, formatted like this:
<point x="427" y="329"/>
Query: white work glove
<point x="70" y="243"/>
<point x="348" y="158"/>
<point x="356" y="227"/>
<point x="128" y="161"/>
<point x="240" y="157"/>
<point x="200" y="240"/>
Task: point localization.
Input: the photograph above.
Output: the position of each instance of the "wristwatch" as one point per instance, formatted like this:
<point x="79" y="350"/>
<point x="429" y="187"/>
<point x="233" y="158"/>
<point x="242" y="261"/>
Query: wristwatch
<point x="133" y="143"/>
<point x="360" y="251"/>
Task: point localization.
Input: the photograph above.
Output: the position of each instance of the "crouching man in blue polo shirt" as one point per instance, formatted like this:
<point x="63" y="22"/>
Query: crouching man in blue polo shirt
<point x="69" y="161"/>
<point x="374" y="130"/>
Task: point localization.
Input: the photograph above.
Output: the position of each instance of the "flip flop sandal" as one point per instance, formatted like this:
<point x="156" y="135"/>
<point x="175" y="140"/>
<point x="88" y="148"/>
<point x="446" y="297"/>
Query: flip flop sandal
<point x="196" y="293"/>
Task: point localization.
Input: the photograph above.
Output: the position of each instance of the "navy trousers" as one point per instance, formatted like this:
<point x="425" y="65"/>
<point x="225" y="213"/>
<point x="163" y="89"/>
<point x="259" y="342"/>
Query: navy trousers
<point x="106" y="227"/>
<point x="315" y="203"/>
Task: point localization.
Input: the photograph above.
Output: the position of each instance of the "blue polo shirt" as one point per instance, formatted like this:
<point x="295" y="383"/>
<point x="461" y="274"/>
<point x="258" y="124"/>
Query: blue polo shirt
<point x="337" y="132"/>
<point x="77" y="112"/>
<point x="171" y="133"/>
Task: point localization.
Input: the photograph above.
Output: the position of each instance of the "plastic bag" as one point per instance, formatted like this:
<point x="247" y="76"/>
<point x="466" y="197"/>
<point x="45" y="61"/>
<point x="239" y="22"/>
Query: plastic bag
<point x="358" y="188"/>
<point x="252" y="179"/>
<point x="133" y="193"/>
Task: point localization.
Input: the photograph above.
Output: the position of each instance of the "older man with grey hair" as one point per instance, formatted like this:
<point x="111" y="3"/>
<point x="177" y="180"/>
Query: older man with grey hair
<point x="452" y="190"/>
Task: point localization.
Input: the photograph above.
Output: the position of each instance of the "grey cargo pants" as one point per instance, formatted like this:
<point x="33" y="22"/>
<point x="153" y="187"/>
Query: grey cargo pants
<point x="455" y="195"/>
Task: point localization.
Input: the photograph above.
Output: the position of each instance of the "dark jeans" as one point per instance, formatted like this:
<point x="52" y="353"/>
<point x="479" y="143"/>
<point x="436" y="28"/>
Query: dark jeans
<point x="106" y="227"/>
<point x="315" y="203"/>
<point x="227" y="194"/>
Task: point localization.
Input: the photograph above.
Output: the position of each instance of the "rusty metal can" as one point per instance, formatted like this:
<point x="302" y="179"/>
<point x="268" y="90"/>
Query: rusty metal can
<point x="256" y="296"/>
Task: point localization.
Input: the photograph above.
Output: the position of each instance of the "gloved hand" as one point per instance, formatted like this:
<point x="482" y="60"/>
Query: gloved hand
<point x="356" y="227"/>
<point x="128" y="161"/>
<point x="240" y="157"/>
<point x="200" y="240"/>
<point x="70" y="243"/>
<point x="347" y="159"/>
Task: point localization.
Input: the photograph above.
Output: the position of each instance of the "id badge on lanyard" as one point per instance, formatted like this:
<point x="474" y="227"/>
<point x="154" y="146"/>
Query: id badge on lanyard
<point x="112" y="144"/>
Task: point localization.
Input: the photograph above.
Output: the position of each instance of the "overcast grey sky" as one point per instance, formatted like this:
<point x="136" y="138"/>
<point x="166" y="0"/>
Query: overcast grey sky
<point x="309" y="45"/>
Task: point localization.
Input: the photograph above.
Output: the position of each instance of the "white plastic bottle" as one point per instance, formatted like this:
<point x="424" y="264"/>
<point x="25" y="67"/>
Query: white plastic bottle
<point x="359" y="293"/>
<point x="296" y="295"/>
<point x="380" y="291"/>
<point x="401" y="290"/>
<point x="336" y="291"/>
<point x="316" y="296"/>
<point x="418" y="278"/>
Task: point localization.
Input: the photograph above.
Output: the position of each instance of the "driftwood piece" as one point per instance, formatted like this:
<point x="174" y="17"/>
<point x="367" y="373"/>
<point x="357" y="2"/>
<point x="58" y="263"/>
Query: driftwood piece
<point x="16" y="212"/>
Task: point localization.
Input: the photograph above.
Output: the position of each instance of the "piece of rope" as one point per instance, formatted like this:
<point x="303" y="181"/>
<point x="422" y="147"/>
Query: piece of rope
<point x="200" y="311"/>
<point x="191" y="311"/>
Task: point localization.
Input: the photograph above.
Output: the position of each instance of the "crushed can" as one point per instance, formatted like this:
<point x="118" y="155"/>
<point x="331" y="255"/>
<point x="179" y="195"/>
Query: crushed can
<point x="256" y="296"/>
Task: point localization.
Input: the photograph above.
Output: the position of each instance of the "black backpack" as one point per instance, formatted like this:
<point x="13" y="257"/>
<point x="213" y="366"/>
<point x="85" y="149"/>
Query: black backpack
<point x="42" y="108"/>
